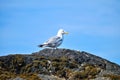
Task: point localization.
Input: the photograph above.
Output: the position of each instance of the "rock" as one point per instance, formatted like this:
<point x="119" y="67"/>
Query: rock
<point x="58" y="64"/>
<point x="49" y="77"/>
<point x="101" y="78"/>
<point x="81" y="57"/>
<point x="17" y="78"/>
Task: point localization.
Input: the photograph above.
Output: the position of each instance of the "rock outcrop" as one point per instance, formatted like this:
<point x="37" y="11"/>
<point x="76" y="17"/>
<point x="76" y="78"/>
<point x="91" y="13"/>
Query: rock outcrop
<point x="57" y="64"/>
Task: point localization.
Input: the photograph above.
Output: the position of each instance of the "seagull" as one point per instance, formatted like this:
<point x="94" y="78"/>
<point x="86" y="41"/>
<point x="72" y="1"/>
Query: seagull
<point x="55" y="41"/>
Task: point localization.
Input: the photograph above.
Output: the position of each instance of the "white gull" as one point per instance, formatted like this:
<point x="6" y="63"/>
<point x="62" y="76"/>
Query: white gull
<point x="55" y="41"/>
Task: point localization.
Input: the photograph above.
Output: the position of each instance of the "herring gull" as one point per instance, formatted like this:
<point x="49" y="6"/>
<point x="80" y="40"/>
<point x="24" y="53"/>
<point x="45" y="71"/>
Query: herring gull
<point x="55" y="41"/>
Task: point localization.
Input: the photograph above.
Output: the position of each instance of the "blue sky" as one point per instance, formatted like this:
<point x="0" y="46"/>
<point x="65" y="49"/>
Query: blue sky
<point x="93" y="25"/>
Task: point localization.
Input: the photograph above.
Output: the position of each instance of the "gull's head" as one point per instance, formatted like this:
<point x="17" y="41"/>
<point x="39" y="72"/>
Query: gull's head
<point x="62" y="32"/>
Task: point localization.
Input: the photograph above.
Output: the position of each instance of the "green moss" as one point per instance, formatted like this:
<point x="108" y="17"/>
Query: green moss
<point x="36" y="66"/>
<point x="72" y="65"/>
<point x="30" y="76"/>
<point x="1" y="64"/>
<point x="61" y="67"/>
<point x="63" y="73"/>
<point x="16" y="63"/>
<point x="112" y="76"/>
<point x="64" y="59"/>
<point x="89" y="72"/>
<point x="4" y="75"/>
<point x="79" y="75"/>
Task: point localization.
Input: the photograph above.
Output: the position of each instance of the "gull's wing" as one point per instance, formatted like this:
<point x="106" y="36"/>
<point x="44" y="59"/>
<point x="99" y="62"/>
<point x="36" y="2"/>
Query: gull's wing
<point x="53" y="41"/>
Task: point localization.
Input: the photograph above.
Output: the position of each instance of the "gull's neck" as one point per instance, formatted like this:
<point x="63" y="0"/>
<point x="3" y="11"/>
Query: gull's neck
<point x="60" y="35"/>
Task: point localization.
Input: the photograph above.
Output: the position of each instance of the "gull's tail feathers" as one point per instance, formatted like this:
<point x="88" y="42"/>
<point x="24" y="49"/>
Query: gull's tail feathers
<point x="41" y="45"/>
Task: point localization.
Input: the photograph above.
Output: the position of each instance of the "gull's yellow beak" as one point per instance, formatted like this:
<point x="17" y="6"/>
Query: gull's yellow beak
<point x="66" y="33"/>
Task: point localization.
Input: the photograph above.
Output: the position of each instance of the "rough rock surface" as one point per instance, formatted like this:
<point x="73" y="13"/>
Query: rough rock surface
<point x="57" y="64"/>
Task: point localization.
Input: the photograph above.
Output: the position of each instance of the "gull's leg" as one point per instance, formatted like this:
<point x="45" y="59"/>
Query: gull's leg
<point x="56" y="48"/>
<point x="52" y="50"/>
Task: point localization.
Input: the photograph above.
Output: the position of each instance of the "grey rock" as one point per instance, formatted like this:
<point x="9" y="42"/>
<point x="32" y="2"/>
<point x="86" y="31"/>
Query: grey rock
<point x="46" y="71"/>
<point x="81" y="57"/>
<point x="49" y="77"/>
<point x="17" y="78"/>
